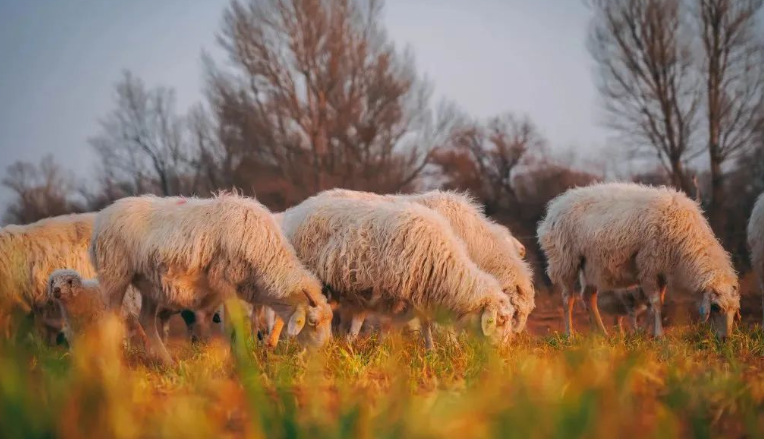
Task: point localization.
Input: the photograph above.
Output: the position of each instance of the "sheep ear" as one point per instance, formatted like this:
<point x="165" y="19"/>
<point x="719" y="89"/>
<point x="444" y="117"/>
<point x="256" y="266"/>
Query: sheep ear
<point x="296" y="322"/>
<point x="705" y="307"/>
<point x="488" y="321"/>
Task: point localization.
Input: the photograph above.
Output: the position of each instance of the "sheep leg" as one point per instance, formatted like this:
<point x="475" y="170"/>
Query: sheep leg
<point x="426" y="325"/>
<point x="148" y="319"/>
<point x="273" y="337"/>
<point x="590" y="295"/>
<point x="254" y="321"/>
<point x="619" y="323"/>
<point x="114" y="290"/>
<point x="164" y="318"/>
<point x="656" y="298"/>
<point x="270" y="319"/>
<point x="568" y="300"/>
<point x="633" y="319"/>
<point x="356" y="323"/>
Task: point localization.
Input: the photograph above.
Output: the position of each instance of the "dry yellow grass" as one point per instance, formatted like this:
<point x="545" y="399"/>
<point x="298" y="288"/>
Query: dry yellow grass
<point x="687" y="384"/>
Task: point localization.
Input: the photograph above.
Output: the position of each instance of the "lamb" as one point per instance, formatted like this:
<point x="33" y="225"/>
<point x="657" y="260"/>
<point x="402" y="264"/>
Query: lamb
<point x="491" y="246"/>
<point x="621" y="234"/>
<point x="395" y="259"/>
<point x="83" y="304"/>
<point x="28" y="254"/>
<point x="756" y="242"/>
<point x="194" y="253"/>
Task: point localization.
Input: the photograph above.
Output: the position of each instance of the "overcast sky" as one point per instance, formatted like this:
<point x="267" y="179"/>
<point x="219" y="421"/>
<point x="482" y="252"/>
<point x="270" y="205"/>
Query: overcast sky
<point x="60" y="59"/>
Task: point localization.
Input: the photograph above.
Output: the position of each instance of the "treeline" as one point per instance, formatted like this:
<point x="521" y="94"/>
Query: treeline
<point x="313" y="95"/>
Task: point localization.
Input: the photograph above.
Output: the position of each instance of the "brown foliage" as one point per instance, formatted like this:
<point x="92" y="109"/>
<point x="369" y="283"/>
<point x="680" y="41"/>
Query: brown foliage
<point x="40" y="191"/>
<point x="317" y="97"/>
<point x="485" y="158"/>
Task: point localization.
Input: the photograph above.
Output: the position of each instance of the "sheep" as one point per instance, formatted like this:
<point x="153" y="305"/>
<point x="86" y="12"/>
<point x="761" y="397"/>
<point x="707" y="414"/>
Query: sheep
<point x="491" y="246"/>
<point x="192" y="253"/>
<point x="395" y="259"/>
<point x="29" y="253"/>
<point x="756" y="242"/>
<point x="621" y="234"/>
<point x="83" y="304"/>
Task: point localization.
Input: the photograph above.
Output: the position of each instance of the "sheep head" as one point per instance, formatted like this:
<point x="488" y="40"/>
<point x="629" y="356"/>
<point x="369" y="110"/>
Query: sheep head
<point x="64" y="285"/>
<point x="720" y="306"/>
<point x="311" y="322"/>
<point x="496" y="319"/>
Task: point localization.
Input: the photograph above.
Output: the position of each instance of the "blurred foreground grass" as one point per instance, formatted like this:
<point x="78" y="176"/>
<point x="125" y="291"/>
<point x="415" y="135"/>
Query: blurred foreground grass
<point x="686" y="385"/>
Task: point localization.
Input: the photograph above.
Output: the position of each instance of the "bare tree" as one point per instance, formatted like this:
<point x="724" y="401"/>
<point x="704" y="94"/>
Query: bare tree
<point x="485" y="158"/>
<point x="213" y="163"/>
<point x="141" y="143"/>
<point x="733" y="67"/>
<point x="40" y="191"/>
<point x="647" y="77"/>
<point x="318" y="97"/>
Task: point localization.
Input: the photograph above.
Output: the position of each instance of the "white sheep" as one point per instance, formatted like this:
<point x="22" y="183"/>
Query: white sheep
<point x="28" y="254"/>
<point x="193" y="253"/>
<point x="756" y="242"/>
<point x="395" y="259"/>
<point x="621" y="234"/>
<point x="491" y="246"/>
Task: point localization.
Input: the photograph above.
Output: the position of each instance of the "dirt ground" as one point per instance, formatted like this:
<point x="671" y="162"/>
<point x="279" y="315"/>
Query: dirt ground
<point x="679" y="309"/>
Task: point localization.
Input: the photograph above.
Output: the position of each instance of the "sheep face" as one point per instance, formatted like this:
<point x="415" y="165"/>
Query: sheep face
<point x="720" y="311"/>
<point x="311" y="324"/>
<point x="496" y="320"/>
<point x="64" y="286"/>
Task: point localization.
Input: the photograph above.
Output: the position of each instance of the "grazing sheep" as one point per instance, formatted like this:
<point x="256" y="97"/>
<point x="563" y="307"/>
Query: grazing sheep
<point x="28" y="254"/>
<point x="756" y="242"/>
<point x="491" y="246"/>
<point x="395" y="259"/>
<point x="194" y="253"/>
<point x="83" y="304"/>
<point x="621" y="234"/>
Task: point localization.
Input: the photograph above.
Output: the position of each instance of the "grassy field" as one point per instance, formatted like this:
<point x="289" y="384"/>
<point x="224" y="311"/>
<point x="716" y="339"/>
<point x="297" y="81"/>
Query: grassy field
<point x="686" y="385"/>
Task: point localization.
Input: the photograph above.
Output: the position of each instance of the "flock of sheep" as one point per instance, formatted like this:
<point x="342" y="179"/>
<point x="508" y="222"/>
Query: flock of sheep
<point x="354" y="255"/>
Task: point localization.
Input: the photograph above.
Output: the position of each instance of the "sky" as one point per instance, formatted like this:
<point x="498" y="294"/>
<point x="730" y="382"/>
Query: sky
<point x="59" y="61"/>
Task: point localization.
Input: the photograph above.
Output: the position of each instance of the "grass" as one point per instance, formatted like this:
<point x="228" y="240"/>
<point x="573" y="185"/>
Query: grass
<point x="685" y="385"/>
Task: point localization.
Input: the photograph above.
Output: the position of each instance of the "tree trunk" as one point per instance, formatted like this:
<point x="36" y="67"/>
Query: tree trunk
<point x="715" y="208"/>
<point x="677" y="174"/>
